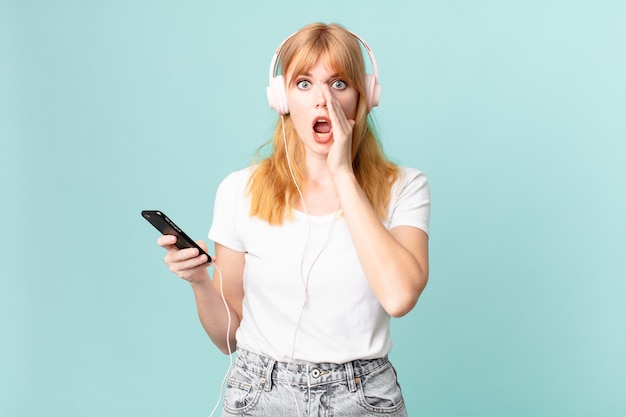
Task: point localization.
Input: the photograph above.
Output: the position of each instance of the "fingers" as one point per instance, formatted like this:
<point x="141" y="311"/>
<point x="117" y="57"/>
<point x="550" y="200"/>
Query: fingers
<point x="203" y="245"/>
<point x="183" y="262"/>
<point x="182" y="265"/>
<point x="174" y="254"/>
<point x="166" y="240"/>
<point x="339" y="157"/>
<point x="187" y="264"/>
<point x="334" y="109"/>
<point x="338" y="119"/>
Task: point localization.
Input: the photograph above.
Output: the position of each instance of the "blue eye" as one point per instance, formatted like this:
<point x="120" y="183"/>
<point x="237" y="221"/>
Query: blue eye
<point x="303" y="84"/>
<point x="339" y="85"/>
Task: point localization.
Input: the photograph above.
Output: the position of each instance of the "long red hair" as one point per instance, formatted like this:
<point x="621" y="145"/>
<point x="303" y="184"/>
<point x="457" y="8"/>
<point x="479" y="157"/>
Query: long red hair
<point x="271" y="187"/>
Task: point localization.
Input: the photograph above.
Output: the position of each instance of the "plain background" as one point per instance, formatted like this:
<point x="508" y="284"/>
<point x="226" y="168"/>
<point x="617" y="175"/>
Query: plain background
<point x="515" y="110"/>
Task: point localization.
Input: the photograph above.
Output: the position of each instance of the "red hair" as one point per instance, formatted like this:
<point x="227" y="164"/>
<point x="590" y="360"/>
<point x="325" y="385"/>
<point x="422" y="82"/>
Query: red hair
<point x="271" y="187"/>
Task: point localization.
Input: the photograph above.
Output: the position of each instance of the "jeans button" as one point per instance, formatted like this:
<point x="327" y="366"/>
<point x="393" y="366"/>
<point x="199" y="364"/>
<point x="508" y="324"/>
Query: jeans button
<point x="315" y="373"/>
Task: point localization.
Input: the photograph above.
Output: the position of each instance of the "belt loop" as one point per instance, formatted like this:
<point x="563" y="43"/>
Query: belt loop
<point x="268" y="375"/>
<point x="350" y="376"/>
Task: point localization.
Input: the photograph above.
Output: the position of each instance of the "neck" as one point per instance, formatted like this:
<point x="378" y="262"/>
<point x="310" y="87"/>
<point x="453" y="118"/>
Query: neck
<point x="317" y="173"/>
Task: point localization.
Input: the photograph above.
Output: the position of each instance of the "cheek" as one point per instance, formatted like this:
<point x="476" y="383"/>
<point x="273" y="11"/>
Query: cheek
<point x="348" y="105"/>
<point x="300" y="124"/>
<point x="295" y="111"/>
<point x="349" y="109"/>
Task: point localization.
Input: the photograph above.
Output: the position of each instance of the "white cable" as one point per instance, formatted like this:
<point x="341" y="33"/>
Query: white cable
<point x="230" y="352"/>
<point x="305" y="280"/>
<point x="293" y="177"/>
<point x="305" y="296"/>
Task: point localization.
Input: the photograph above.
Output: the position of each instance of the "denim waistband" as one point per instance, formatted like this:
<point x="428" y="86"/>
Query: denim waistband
<point x="306" y="374"/>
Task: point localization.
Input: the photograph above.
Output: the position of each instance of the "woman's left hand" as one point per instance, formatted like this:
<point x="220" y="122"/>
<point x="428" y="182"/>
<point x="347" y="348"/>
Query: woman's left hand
<point x="339" y="157"/>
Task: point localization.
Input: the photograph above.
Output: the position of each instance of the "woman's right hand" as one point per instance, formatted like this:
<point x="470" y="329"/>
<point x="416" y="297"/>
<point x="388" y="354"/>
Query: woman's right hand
<point x="185" y="262"/>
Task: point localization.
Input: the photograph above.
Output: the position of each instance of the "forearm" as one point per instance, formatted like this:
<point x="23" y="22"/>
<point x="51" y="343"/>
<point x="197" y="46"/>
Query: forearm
<point x="214" y="315"/>
<point x="395" y="274"/>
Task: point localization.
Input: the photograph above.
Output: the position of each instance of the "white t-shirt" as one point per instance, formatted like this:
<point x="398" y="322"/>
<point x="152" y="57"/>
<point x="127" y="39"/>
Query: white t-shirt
<point x="341" y="320"/>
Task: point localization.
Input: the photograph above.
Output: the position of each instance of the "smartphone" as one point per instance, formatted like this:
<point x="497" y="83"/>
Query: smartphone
<point x="167" y="227"/>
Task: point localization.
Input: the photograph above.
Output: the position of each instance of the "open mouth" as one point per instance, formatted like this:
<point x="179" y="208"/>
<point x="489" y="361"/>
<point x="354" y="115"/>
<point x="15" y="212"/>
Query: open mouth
<point x="322" y="129"/>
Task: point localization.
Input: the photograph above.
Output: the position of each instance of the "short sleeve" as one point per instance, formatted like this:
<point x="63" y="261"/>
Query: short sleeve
<point x="230" y="200"/>
<point x="410" y="204"/>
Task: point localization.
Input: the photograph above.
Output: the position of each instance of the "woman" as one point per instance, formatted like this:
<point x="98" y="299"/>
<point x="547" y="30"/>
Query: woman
<point x="318" y="245"/>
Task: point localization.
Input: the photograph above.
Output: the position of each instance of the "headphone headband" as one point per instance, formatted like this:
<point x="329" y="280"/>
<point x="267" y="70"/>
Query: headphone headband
<point x="276" y="90"/>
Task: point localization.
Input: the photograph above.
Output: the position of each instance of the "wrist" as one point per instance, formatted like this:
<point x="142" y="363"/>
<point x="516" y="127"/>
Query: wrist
<point x="343" y="177"/>
<point x="200" y="281"/>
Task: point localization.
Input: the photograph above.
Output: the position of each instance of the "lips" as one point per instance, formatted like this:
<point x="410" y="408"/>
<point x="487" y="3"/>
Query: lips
<point x="322" y="126"/>
<point x="322" y="129"/>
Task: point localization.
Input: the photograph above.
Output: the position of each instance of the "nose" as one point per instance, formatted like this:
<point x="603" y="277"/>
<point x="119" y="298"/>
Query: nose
<point x="320" y="100"/>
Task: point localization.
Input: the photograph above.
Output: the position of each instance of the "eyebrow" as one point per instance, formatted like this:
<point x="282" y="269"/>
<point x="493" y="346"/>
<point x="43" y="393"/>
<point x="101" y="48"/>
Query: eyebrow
<point x="308" y="74"/>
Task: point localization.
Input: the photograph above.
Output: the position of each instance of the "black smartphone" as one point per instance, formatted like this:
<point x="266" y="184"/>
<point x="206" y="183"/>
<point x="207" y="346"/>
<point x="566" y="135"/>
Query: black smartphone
<point x="167" y="227"/>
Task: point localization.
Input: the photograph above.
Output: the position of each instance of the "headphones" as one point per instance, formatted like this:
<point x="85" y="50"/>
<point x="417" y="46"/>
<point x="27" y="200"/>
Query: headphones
<point x="277" y="95"/>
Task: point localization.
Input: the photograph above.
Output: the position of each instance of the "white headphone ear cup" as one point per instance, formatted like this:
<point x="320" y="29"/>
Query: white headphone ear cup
<point x="277" y="96"/>
<point x="372" y="91"/>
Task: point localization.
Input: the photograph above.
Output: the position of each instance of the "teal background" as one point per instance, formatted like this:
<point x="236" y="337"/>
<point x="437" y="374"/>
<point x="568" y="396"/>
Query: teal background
<point x="515" y="110"/>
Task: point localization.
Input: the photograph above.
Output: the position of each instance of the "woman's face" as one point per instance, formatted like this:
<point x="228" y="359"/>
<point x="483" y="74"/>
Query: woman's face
<point x="308" y="108"/>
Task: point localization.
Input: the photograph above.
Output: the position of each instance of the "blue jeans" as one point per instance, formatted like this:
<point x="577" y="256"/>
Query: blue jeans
<point x="258" y="386"/>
